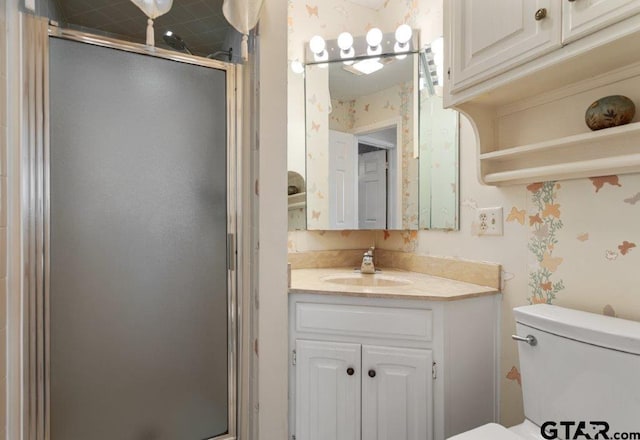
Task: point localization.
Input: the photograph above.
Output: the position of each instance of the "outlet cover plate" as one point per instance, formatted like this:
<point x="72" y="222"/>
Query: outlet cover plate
<point x="30" y="5"/>
<point x="490" y="221"/>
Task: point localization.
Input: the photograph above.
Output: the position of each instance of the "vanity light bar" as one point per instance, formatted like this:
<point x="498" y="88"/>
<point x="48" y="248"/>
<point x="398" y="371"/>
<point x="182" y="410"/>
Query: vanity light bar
<point x="401" y="42"/>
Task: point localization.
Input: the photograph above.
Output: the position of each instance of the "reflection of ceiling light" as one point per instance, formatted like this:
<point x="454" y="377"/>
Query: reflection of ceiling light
<point x="322" y="58"/>
<point x="365" y="67"/>
<point x="397" y="48"/>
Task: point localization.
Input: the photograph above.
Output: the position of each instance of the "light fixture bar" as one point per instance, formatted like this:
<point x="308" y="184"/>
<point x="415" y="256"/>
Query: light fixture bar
<point x="360" y="49"/>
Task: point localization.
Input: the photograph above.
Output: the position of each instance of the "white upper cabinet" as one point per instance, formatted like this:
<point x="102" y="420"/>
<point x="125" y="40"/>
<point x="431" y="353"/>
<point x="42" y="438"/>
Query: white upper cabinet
<point x="488" y="38"/>
<point x="582" y="17"/>
<point x="525" y="81"/>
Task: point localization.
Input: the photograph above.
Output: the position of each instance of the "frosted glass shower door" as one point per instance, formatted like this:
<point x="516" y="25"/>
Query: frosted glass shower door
<point x="138" y="231"/>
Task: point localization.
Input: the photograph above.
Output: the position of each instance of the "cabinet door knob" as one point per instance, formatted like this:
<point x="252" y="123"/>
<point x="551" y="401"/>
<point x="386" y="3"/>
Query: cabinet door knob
<point x="541" y="13"/>
<point x="372" y="373"/>
<point x="350" y="371"/>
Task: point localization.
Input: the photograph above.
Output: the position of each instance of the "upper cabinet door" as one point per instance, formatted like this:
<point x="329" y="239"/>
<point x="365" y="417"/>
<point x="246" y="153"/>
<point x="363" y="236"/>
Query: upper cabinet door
<point x="397" y="396"/>
<point x="582" y="17"/>
<point x="327" y="391"/>
<point x="490" y="37"/>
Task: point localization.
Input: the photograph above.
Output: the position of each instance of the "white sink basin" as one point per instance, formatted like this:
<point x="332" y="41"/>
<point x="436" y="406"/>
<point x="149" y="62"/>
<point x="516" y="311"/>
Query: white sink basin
<point x="367" y="280"/>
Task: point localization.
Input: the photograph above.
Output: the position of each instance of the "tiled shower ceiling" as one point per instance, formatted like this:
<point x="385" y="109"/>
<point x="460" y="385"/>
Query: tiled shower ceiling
<point x="199" y="23"/>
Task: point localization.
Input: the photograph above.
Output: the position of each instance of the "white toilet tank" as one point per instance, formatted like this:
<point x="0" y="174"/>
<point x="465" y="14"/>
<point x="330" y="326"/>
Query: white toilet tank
<point x="584" y="367"/>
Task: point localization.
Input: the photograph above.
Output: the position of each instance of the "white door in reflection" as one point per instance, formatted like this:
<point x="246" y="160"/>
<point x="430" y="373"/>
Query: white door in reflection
<point x="372" y="188"/>
<point x="343" y="190"/>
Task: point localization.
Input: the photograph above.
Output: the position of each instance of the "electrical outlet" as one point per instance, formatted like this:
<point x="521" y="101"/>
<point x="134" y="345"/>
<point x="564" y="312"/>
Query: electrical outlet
<point x="30" y="5"/>
<point x="490" y="221"/>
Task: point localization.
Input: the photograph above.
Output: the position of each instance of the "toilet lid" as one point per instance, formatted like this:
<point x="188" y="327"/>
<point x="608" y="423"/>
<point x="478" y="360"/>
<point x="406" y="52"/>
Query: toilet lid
<point x="490" y="431"/>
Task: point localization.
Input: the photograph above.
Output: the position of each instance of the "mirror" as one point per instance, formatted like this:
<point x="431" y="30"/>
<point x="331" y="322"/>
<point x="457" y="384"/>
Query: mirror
<point x="381" y="152"/>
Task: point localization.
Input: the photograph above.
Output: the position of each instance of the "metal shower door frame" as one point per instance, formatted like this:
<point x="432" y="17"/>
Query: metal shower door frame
<point x="36" y="225"/>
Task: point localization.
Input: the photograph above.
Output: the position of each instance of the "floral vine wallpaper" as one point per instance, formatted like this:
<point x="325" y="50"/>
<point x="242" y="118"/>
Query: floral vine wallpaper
<point x="571" y="243"/>
<point x="545" y="224"/>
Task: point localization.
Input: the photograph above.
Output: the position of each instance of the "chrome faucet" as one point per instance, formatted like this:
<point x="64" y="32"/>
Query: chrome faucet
<point x="367" y="262"/>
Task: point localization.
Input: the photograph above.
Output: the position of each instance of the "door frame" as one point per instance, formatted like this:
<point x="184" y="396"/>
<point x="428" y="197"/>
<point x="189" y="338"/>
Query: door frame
<point x="394" y="187"/>
<point x="30" y="259"/>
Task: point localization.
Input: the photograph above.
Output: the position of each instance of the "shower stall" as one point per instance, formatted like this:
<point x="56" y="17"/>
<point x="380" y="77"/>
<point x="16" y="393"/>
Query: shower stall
<point x="129" y="183"/>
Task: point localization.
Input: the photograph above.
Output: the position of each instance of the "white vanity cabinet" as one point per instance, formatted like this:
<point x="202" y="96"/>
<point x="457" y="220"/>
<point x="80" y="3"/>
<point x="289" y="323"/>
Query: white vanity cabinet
<point x="391" y="369"/>
<point x="353" y="391"/>
<point x="491" y="37"/>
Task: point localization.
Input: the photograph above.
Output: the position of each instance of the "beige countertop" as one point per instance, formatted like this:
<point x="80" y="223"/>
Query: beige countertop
<point x="389" y="283"/>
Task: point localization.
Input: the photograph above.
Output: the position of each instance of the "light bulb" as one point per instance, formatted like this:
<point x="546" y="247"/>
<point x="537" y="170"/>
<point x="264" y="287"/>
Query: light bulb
<point x="345" y="41"/>
<point x="317" y="44"/>
<point x="397" y="48"/>
<point x="322" y="57"/>
<point x="374" y="37"/>
<point x="372" y="51"/>
<point x="297" y="67"/>
<point x="348" y="53"/>
<point x="403" y="34"/>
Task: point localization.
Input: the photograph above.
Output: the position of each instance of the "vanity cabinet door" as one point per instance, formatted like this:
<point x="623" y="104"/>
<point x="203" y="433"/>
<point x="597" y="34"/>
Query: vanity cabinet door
<point x="583" y="17"/>
<point x="489" y="38"/>
<point x="397" y="394"/>
<point x="327" y="391"/>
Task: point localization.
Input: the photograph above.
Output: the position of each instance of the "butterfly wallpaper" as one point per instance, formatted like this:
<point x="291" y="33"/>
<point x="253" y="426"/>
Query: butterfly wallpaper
<point x="572" y="243"/>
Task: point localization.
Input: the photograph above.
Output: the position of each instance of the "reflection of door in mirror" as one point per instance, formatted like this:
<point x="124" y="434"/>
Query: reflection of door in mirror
<point x="345" y="107"/>
<point x="343" y="195"/>
<point x="348" y="104"/>
<point x="363" y="179"/>
<point x="372" y="188"/>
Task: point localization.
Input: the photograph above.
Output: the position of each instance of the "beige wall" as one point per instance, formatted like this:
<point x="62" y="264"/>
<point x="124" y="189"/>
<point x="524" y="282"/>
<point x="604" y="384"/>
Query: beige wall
<point x="272" y="224"/>
<point x="569" y="243"/>
<point x="3" y="218"/>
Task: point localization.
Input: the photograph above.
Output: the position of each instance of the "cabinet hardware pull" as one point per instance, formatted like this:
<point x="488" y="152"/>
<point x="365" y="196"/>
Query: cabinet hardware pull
<point x="529" y="339"/>
<point x="372" y="373"/>
<point x="541" y="13"/>
<point x="350" y="371"/>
